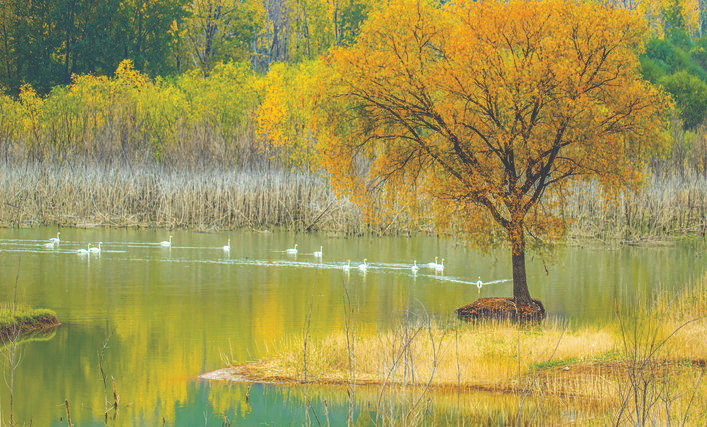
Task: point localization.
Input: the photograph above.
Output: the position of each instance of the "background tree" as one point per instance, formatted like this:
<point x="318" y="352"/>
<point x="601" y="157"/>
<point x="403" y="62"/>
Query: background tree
<point x="44" y="42"/>
<point x="489" y="110"/>
<point x="219" y="30"/>
<point x="690" y="94"/>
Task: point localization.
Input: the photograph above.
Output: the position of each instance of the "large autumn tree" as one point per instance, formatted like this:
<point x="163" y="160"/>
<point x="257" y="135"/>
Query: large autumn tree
<point x="490" y="110"/>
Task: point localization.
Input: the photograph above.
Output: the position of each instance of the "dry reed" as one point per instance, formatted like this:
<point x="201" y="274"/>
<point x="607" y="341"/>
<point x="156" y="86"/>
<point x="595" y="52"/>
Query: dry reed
<point x="212" y="199"/>
<point x="490" y="356"/>
<point x="670" y="205"/>
<point x="264" y="196"/>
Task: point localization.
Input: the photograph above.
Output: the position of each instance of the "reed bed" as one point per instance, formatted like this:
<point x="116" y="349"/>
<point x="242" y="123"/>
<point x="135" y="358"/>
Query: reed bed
<point x="671" y="204"/>
<point x="264" y="196"/>
<point x="490" y="356"/>
<point x="530" y="373"/>
<point x="152" y="196"/>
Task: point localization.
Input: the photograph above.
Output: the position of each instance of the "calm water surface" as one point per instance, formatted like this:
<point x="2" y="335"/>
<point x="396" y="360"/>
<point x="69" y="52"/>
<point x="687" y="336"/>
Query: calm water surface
<point x="170" y="314"/>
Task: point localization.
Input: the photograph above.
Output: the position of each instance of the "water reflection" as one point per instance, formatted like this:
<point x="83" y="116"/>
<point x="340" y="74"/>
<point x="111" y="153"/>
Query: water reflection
<point x="173" y="312"/>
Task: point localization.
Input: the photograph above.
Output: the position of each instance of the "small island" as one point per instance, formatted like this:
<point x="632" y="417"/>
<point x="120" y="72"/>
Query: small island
<point x="20" y="321"/>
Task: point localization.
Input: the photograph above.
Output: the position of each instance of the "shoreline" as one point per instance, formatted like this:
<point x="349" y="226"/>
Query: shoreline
<point x="549" y="358"/>
<point x="557" y="380"/>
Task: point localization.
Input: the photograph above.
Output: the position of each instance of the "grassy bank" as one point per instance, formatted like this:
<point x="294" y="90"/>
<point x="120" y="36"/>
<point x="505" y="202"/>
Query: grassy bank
<point x="13" y="323"/>
<point x="266" y="197"/>
<point x="647" y="365"/>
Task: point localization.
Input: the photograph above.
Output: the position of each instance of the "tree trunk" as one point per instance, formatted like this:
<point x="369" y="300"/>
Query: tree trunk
<point x="67" y="51"/>
<point x="520" y="282"/>
<point x="7" y="55"/>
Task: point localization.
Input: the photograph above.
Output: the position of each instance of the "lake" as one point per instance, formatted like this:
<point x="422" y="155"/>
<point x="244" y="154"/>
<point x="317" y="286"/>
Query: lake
<point x="168" y="314"/>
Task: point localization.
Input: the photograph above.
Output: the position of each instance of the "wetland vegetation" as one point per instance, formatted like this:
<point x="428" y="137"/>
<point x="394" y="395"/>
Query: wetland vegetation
<point x="231" y="145"/>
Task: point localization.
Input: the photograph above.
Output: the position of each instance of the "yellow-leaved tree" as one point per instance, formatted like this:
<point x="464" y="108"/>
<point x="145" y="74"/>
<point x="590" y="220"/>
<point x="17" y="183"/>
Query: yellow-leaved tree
<point x="490" y="110"/>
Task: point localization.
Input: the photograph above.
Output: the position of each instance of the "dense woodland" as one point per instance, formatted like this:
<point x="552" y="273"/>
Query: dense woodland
<point x="45" y="42"/>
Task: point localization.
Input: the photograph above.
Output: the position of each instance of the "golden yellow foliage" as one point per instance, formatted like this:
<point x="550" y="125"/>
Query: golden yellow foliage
<point x="489" y="109"/>
<point x="283" y="117"/>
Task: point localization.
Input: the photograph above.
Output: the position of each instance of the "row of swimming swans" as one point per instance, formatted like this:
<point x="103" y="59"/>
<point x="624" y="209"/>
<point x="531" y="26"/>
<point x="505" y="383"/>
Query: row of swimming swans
<point x="55" y="241"/>
<point x="164" y="243"/>
<point x="292" y="251"/>
<point x="320" y="253"/>
<point x="364" y="266"/>
<point x="438" y="267"/>
<point x="317" y="254"/>
<point x="414" y="268"/>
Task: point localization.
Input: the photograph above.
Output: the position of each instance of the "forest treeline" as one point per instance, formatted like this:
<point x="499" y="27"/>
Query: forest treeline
<point x="161" y="87"/>
<point x="224" y="79"/>
<point x="44" y="42"/>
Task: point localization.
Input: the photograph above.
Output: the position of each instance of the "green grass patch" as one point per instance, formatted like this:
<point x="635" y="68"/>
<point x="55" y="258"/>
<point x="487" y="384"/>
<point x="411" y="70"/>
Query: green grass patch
<point x="609" y="356"/>
<point x="27" y="320"/>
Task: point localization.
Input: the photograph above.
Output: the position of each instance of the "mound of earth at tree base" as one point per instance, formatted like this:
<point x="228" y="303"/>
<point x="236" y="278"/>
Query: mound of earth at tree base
<point x="502" y="308"/>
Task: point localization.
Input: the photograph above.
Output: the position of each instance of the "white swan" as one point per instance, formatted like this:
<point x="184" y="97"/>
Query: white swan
<point x="440" y="267"/>
<point x="55" y="240"/>
<point x="479" y="284"/>
<point x="292" y="251"/>
<point x="319" y="253"/>
<point x="347" y="267"/>
<point x="433" y="264"/>
<point x="414" y="267"/>
<point x="83" y="251"/>
<point x="167" y="243"/>
<point x="96" y="250"/>
<point x="228" y="246"/>
<point x="363" y="267"/>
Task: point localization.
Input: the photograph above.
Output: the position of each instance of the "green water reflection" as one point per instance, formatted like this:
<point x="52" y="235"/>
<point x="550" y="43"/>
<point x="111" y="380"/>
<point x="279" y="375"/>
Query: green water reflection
<point x="172" y="313"/>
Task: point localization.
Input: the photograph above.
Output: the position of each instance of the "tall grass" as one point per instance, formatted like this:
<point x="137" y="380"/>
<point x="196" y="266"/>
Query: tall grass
<point x="671" y="204"/>
<point x="263" y="196"/>
<point x="487" y="356"/>
<point x="153" y="196"/>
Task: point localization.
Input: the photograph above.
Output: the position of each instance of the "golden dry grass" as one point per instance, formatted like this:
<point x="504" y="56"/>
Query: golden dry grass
<point x="258" y="195"/>
<point x="494" y="356"/>
<point x="647" y="366"/>
<point x="402" y="372"/>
